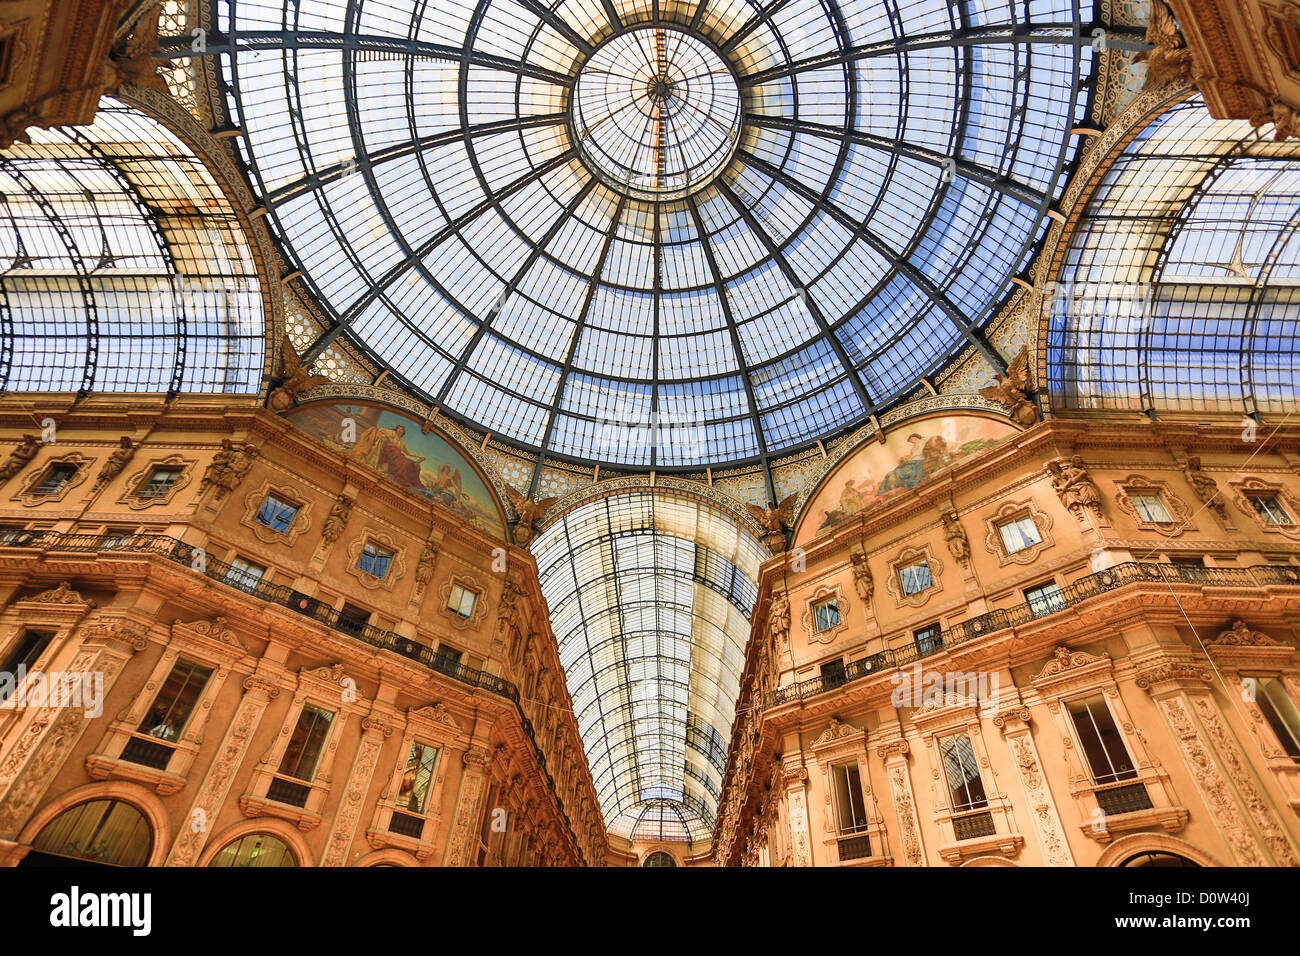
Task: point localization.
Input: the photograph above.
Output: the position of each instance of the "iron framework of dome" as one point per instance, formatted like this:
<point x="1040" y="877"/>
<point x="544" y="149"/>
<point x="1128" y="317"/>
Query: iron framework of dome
<point x="649" y="232"/>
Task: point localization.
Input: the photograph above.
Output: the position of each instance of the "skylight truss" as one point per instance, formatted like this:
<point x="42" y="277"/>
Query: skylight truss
<point x="818" y="205"/>
<point x="1181" y="289"/>
<point x="123" y="267"/>
<point x="650" y="596"/>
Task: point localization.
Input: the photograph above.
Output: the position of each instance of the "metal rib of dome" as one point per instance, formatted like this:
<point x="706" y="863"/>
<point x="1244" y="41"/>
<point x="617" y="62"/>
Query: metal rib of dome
<point x="822" y="200"/>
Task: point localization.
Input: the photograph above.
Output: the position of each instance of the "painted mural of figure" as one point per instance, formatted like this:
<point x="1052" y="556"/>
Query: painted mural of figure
<point x="384" y="449"/>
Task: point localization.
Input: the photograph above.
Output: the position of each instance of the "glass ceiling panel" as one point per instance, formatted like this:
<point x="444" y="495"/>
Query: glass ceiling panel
<point x="1181" y="290"/>
<point x="123" y="267"/>
<point x="529" y="212"/>
<point x="650" y="597"/>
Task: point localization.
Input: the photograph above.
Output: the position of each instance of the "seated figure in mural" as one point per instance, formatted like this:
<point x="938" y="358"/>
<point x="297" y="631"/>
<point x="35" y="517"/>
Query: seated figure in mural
<point x="922" y="459"/>
<point x="384" y="449"/>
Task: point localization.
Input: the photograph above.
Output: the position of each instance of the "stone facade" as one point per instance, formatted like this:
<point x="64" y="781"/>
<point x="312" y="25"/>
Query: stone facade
<point x="1162" y="629"/>
<point x="128" y="585"/>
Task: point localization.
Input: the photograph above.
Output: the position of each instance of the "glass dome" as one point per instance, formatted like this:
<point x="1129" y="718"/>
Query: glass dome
<point x="657" y="233"/>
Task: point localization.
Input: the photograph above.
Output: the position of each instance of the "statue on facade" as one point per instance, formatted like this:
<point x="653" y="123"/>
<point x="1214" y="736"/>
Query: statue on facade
<point x="296" y="379"/>
<point x="529" y="511"/>
<point x="958" y="545"/>
<point x="1012" y="391"/>
<point x="1206" y="488"/>
<point x="229" y="466"/>
<point x="1169" y="61"/>
<point x="1074" y="487"/>
<point x="337" y="519"/>
<point x="775" y="519"/>
<point x="116" y="462"/>
<point x="863" y="582"/>
<point x="424" y="567"/>
<point x="778" y="620"/>
<point x="20" y="457"/>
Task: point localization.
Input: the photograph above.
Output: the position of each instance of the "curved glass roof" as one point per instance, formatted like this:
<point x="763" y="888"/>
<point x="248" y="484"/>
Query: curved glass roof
<point x="650" y="596"/>
<point x="123" y="267"/>
<point x="660" y="233"/>
<point x="1180" y="289"/>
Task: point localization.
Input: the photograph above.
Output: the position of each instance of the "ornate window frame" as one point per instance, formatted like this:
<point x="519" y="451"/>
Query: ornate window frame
<point x="330" y="689"/>
<point x="1179" y="512"/>
<point x="435" y="725"/>
<point x="1009" y="511"/>
<point x="840" y="744"/>
<point x="1243" y="490"/>
<point x="1244" y="655"/>
<point x="301" y="520"/>
<point x="469" y="583"/>
<point x="956" y="714"/>
<point x="27" y="490"/>
<point x="137" y="480"/>
<point x="396" y="567"/>
<point x="894" y="582"/>
<point x="809" y="618"/>
<point x="210" y="643"/>
<point x="1071" y="675"/>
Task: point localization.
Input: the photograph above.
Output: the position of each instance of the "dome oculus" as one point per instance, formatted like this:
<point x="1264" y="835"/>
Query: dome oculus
<point x="656" y="113"/>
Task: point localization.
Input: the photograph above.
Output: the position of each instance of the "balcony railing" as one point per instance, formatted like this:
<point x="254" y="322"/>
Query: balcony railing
<point x="196" y="560"/>
<point x="1122" y="575"/>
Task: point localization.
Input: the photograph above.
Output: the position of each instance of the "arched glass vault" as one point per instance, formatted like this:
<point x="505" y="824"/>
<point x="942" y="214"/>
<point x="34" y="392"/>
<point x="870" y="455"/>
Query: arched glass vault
<point x="123" y="267"/>
<point x="650" y="596"/>
<point x="1180" y="291"/>
<point x="761" y="222"/>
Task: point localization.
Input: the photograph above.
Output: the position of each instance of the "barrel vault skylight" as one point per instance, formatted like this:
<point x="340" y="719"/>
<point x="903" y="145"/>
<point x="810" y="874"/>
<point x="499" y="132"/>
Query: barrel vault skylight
<point x="757" y="221"/>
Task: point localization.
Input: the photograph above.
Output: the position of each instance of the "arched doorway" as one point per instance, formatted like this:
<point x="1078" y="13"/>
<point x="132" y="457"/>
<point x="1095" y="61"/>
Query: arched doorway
<point x="659" y="858"/>
<point x="1153" y="858"/>
<point x="255" y="849"/>
<point x="97" y="832"/>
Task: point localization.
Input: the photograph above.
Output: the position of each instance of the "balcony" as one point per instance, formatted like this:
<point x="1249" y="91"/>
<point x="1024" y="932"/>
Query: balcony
<point x="1102" y="582"/>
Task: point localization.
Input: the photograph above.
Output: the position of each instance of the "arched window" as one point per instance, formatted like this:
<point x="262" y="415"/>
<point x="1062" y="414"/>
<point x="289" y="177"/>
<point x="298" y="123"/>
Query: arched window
<point x="659" y="858"/>
<point x="255" y="849"/>
<point x="1158" y="859"/>
<point x="108" y="832"/>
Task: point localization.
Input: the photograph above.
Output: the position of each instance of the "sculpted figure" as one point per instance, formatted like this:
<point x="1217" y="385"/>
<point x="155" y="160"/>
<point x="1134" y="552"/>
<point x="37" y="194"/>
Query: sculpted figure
<point x="20" y="457"/>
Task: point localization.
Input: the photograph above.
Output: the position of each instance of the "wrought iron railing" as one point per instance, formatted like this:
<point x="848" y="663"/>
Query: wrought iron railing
<point x="1122" y="575"/>
<point x="180" y="552"/>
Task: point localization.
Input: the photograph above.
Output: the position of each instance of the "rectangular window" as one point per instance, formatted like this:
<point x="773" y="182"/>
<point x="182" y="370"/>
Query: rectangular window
<point x="244" y="574"/>
<point x="915" y="577"/>
<point x="24" y="655"/>
<point x="417" y="778"/>
<point x="1045" y="599"/>
<point x="374" y="559"/>
<point x="276" y="514"/>
<point x="462" y="600"/>
<point x="833" y="673"/>
<point x="1150" y="508"/>
<point x="928" y="639"/>
<point x="826" y="614"/>
<point x="175" y="702"/>
<point x="849" y="804"/>
<point x="308" y="740"/>
<point x="962" y="771"/>
<point x="1019" y="533"/>
<point x="353" y="619"/>
<point x="1281" y="713"/>
<point x="1271" y="511"/>
<point x="446" y="658"/>
<point x="1100" y="740"/>
<point x="56" y="476"/>
<point x="116" y="538"/>
<point x="159" y="483"/>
